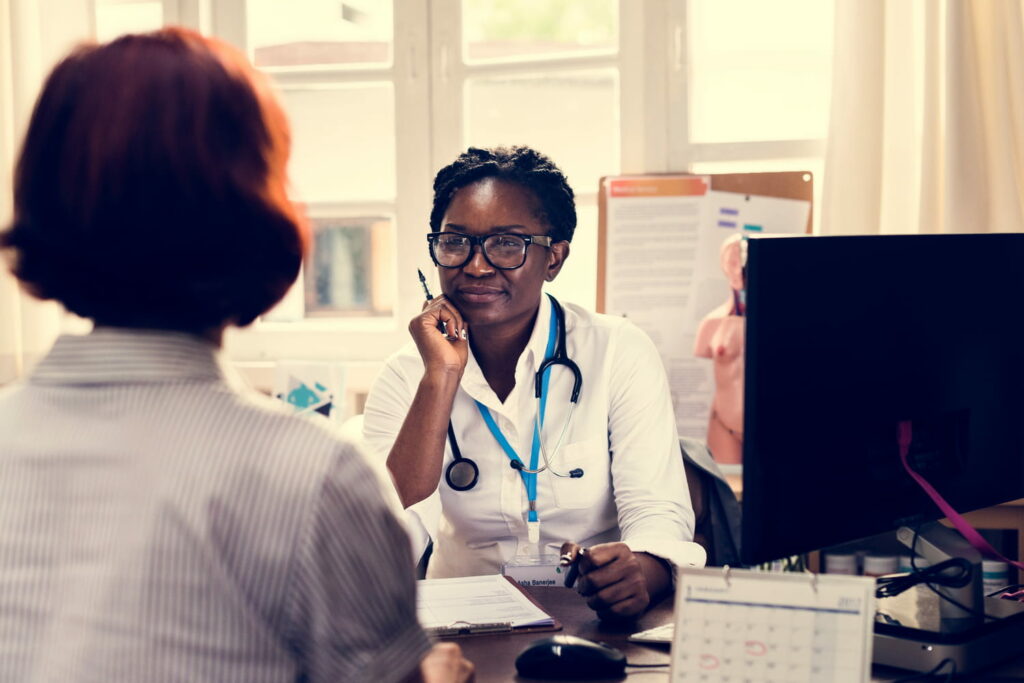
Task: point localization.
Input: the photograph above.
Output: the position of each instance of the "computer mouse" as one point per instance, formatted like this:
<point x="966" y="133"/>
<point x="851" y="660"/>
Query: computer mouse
<point x="570" y="657"/>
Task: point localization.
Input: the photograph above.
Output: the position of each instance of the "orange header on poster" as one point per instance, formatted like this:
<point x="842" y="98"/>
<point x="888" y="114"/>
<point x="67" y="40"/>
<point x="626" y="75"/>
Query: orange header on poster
<point x="655" y="186"/>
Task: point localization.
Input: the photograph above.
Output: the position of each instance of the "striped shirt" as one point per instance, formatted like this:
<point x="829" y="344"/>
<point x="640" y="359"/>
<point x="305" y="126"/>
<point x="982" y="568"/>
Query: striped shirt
<point x="156" y="524"/>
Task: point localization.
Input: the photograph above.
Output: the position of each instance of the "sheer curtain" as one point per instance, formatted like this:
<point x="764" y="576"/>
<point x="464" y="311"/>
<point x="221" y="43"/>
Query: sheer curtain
<point x="34" y="34"/>
<point x="927" y="121"/>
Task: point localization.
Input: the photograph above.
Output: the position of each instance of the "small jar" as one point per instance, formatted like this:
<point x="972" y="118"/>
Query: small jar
<point x="994" y="575"/>
<point x="880" y="565"/>
<point x="840" y="563"/>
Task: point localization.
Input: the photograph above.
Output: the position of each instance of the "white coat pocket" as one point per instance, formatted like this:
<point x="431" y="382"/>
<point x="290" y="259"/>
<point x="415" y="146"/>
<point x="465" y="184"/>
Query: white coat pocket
<point x="581" y="492"/>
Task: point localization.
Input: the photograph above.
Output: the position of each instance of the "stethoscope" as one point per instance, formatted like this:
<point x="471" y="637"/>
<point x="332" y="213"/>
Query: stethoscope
<point x="462" y="473"/>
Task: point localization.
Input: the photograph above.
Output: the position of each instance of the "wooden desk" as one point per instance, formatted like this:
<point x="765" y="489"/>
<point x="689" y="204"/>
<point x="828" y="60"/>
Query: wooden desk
<point x="495" y="655"/>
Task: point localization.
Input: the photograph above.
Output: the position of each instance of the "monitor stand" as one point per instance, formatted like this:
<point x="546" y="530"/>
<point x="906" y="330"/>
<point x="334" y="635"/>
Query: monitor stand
<point x="917" y="629"/>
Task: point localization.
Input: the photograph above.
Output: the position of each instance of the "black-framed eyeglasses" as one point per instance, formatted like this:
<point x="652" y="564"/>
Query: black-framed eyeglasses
<point x="506" y="250"/>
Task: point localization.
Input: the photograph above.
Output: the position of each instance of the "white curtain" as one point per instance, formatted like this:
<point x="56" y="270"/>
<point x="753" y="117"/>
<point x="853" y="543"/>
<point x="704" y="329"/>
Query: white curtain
<point x="10" y="309"/>
<point x="927" y="121"/>
<point x="34" y="35"/>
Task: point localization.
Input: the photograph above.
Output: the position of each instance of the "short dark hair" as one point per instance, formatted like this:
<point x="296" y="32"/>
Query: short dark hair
<point x="150" y="190"/>
<point x="517" y="164"/>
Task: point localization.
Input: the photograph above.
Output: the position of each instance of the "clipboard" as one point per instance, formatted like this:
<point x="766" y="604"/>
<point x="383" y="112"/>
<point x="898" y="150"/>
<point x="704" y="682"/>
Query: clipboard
<point x="479" y="605"/>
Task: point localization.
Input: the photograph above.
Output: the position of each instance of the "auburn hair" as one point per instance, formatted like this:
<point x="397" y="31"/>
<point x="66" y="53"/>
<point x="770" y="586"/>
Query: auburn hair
<point x="151" y="188"/>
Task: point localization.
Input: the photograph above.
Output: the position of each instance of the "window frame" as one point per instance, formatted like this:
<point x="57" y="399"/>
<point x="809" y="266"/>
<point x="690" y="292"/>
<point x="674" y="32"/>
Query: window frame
<point x="684" y="154"/>
<point x="429" y="76"/>
<point x="355" y="338"/>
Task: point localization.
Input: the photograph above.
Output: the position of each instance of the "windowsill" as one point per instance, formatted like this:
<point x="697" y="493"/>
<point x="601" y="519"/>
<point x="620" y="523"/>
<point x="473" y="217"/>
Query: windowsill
<point x="368" y="324"/>
<point x="359" y="376"/>
<point x="329" y="339"/>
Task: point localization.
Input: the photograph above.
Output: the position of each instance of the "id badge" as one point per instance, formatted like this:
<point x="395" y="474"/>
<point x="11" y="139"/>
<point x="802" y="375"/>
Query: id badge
<point x="536" y="570"/>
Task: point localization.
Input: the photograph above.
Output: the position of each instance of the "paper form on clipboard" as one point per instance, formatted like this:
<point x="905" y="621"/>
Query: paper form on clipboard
<point x="478" y="604"/>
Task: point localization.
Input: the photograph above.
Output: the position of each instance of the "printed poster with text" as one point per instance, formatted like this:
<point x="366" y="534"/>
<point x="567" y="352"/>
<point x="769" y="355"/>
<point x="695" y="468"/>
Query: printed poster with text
<point x="663" y="235"/>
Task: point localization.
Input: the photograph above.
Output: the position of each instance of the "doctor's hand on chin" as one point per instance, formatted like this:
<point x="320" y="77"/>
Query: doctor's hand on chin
<point x="442" y="337"/>
<point x="619" y="583"/>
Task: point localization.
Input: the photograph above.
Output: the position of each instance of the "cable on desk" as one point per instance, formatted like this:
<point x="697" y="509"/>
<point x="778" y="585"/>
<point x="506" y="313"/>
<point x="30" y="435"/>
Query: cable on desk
<point x="939" y="575"/>
<point x="1005" y="589"/>
<point x="935" y="582"/>
<point x="933" y="672"/>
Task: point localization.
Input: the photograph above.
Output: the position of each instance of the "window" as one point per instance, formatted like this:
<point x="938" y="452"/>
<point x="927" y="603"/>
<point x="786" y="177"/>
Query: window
<point x="349" y="267"/>
<point x="533" y="28"/>
<point x="546" y="73"/>
<point x="115" y="17"/>
<point x="333" y="64"/>
<point x="381" y="94"/>
<point x="764" y="78"/>
<point x="758" y="89"/>
<point x="312" y="33"/>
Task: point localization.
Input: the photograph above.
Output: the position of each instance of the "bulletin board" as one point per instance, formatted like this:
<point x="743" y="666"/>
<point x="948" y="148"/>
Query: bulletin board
<point x="658" y="259"/>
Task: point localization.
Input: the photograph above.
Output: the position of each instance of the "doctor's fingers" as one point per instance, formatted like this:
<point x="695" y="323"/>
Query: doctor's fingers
<point x="627" y="569"/>
<point x="622" y="611"/>
<point x="455" y="326"/>
<point x="613" y="573"/>
<point x="603" y="555"/>
<point x="627" y="588"/>
<point x="441" y="315"/>
<point x="626" y="598"/>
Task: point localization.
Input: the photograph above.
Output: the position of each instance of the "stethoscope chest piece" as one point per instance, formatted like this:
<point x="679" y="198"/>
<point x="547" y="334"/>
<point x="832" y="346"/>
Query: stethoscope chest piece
<point x="462" y="474"/>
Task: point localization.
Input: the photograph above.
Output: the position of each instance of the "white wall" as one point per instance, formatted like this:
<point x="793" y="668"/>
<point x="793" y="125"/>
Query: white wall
<point x="27" y="53"/>
<point x="10" y="328"/>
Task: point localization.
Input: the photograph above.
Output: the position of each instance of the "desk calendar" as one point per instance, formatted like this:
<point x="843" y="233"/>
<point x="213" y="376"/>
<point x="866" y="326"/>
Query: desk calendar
<point x="735" y="626"/>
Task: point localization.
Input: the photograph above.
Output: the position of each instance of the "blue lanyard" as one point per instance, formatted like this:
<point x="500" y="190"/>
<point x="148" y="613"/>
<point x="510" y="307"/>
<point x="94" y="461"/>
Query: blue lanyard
<point x="529" y="479"/>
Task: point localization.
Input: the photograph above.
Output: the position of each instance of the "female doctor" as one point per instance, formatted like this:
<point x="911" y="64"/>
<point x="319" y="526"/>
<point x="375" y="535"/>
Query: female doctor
<point x="490" y="469"/>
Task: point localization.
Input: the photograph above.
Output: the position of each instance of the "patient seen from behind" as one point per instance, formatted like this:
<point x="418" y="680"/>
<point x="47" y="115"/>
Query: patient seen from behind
<point x="157" y="522"/>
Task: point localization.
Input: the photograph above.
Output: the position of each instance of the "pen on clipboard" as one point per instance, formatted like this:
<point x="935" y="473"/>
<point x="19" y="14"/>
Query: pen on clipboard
<point x="572" y="553"/>
<point x="461" y="628"/>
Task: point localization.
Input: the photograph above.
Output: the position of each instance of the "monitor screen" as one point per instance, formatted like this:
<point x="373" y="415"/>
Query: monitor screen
<point x="848" y="336"/>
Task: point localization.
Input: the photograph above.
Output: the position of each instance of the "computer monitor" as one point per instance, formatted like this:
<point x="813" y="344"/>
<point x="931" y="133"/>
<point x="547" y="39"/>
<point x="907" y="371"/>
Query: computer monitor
<point x="846" y="337"/>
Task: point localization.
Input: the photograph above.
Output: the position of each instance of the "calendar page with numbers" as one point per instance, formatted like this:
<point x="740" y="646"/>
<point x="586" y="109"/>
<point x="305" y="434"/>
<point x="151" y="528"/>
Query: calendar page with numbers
<point x="735" y="626"/>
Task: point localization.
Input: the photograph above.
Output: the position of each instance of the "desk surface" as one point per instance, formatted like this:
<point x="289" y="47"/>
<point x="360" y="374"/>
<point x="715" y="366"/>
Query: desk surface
<point x="495" y="655"/>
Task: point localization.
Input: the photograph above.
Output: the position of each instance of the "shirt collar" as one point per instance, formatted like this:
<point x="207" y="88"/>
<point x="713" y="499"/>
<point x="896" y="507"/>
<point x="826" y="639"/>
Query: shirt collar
<point x="476" y="384"/>
<point x="124" y="356"/>
<point x="538" y="343"/>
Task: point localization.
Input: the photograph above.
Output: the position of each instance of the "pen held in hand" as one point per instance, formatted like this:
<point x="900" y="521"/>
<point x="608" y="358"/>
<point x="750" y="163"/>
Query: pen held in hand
<point x="571" y="555"/>
<point x="441" y="327"/>
<point x="423" y="281"/>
